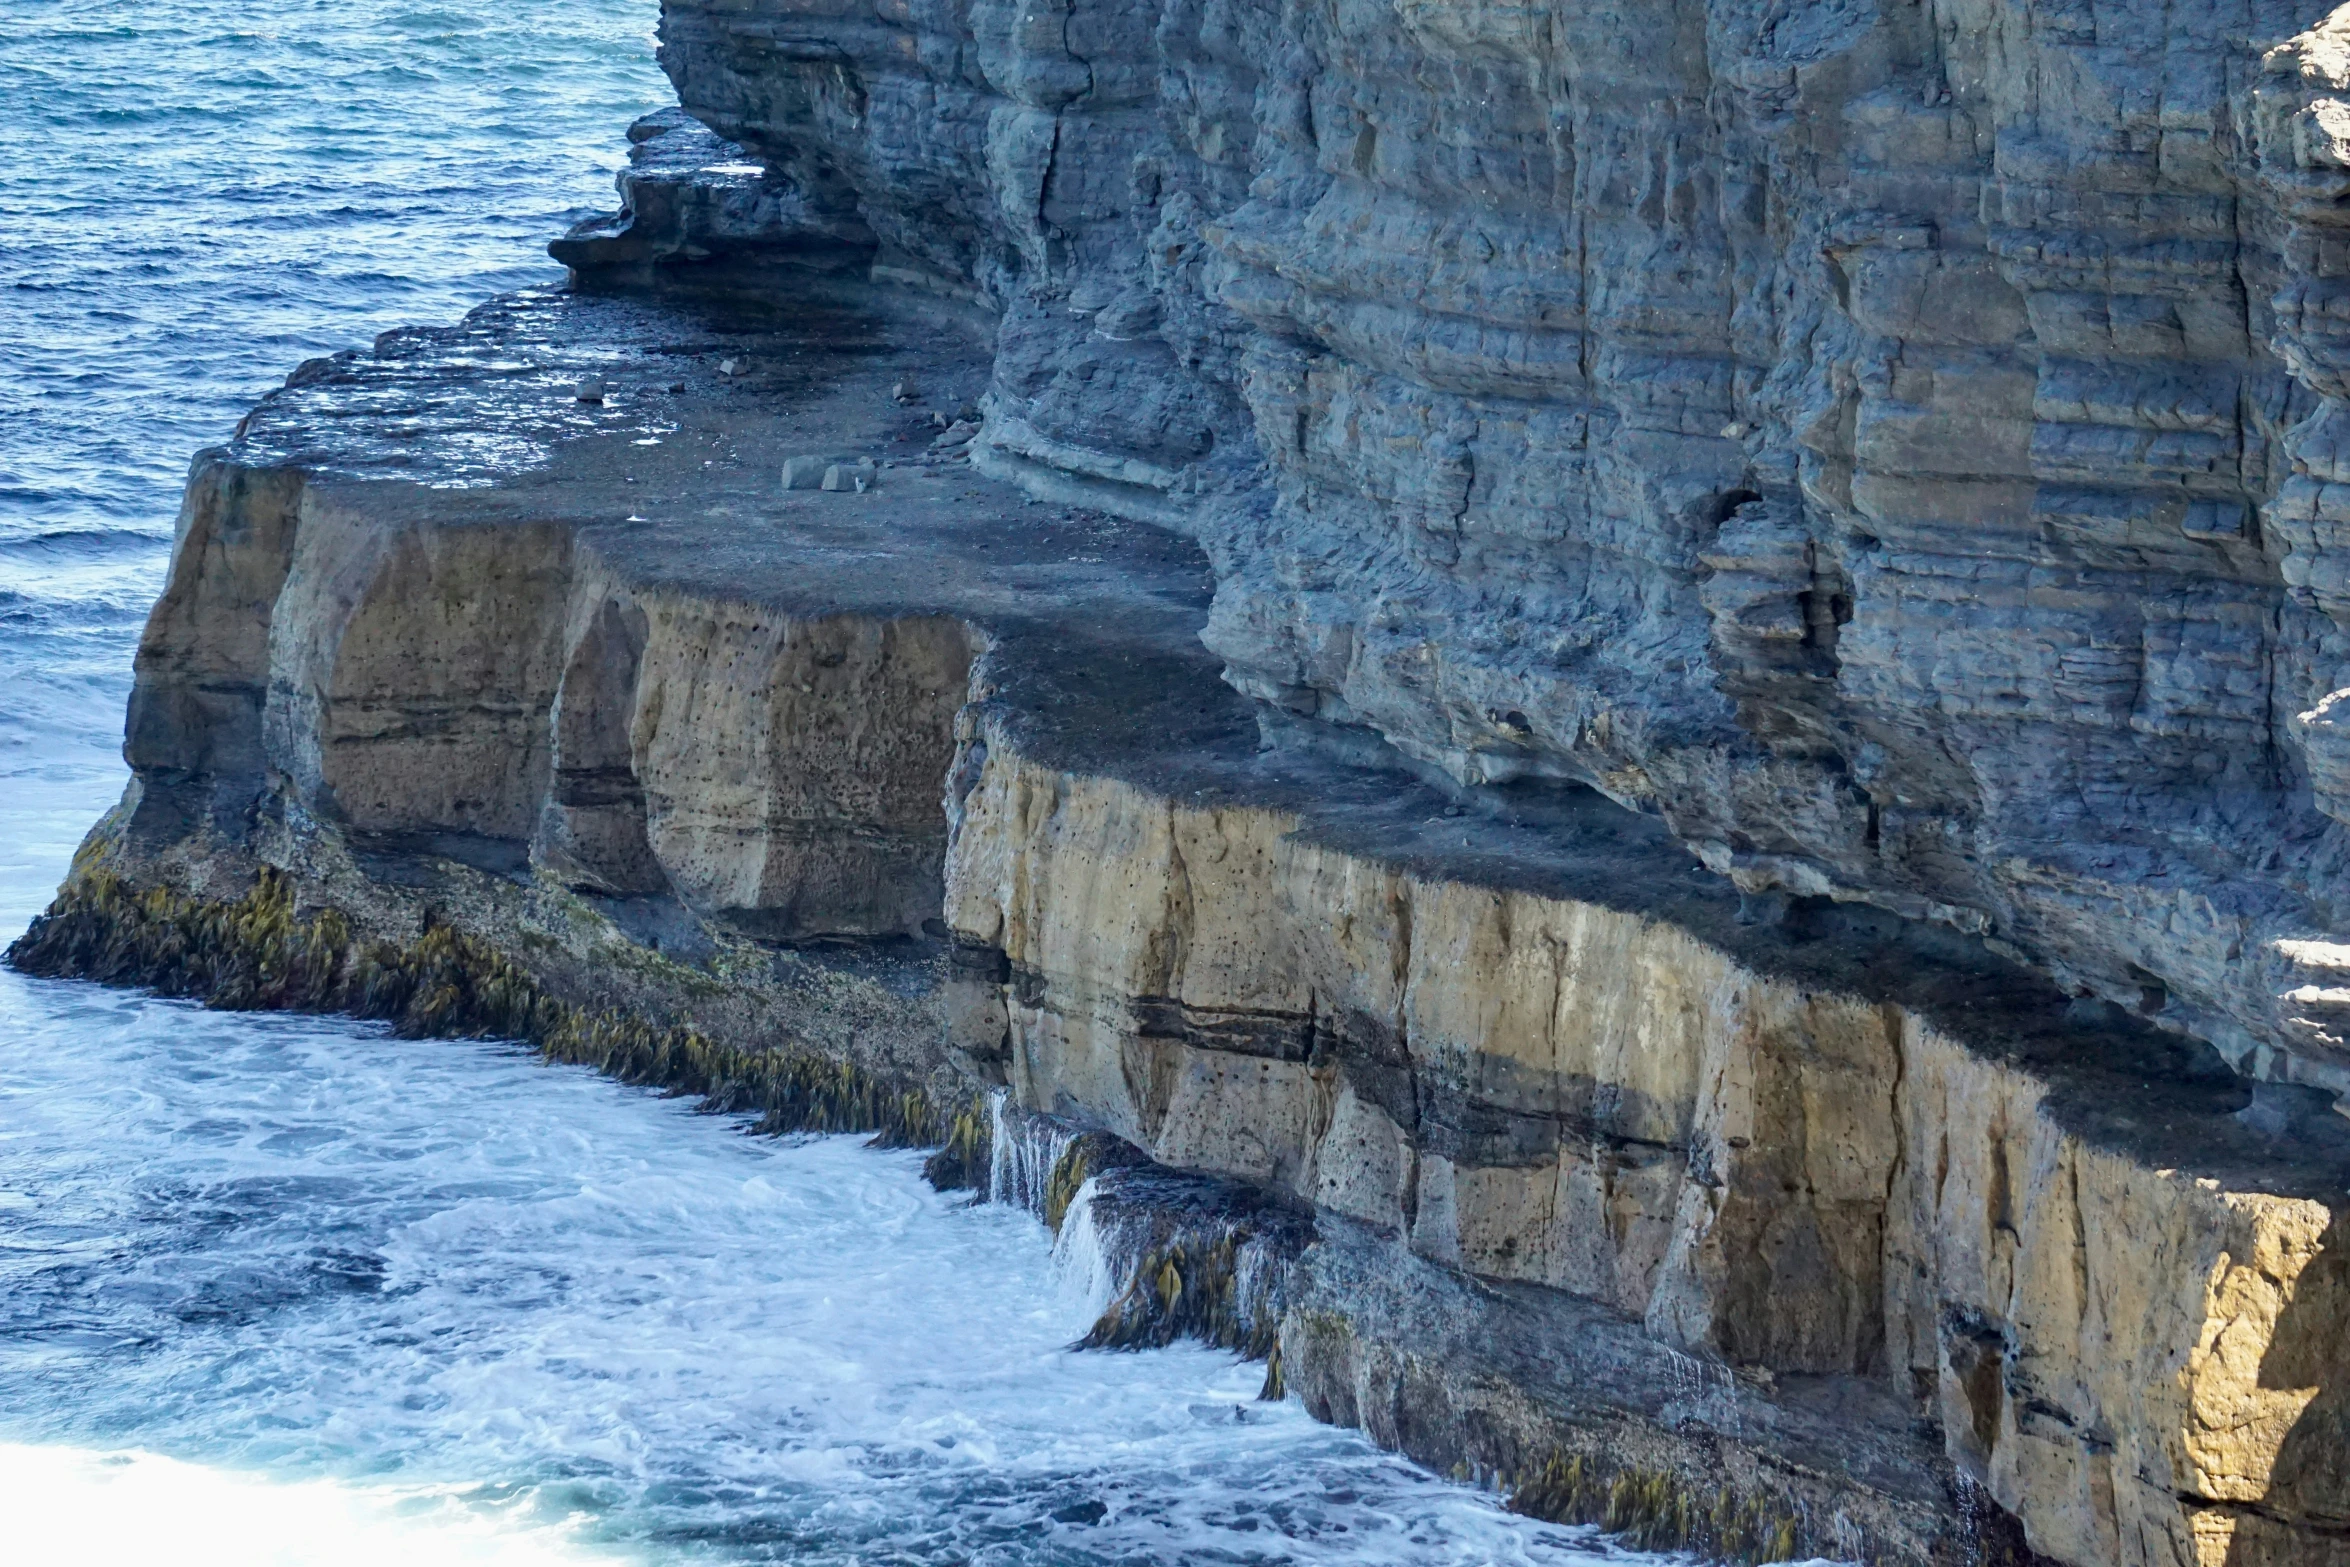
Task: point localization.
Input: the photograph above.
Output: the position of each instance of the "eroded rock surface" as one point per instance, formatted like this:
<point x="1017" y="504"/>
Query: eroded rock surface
<point x="1809" y="1224"/>
<point x="1675" y="667"/>
<point x="1894" y="444"/>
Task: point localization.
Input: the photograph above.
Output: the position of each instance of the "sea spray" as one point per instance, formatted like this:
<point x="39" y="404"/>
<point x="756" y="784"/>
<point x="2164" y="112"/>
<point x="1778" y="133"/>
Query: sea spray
<point x="1023" y="1148"/>
<point x="1150" y="1254"/>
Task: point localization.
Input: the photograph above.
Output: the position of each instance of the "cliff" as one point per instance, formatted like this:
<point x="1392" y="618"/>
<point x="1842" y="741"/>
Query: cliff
<point x="1891" y="444"/>
<point x="1653" y="685"/>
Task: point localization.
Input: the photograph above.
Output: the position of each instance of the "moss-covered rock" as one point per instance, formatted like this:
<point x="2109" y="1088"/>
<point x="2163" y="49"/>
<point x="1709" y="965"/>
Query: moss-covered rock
<point x="1657" y="1510"/>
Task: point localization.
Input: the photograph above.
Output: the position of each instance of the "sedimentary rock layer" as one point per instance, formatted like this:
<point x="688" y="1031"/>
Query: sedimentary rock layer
<point x="2044" y="1250"/>
<point x="940" y="786"/>
<point x="1898" y="446"/>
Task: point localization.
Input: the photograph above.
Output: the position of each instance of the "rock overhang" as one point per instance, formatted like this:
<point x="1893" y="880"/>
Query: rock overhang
<point x="1891" y="452"/>
<point x="1183" y="906"/>
<point x="1083" y="645"/>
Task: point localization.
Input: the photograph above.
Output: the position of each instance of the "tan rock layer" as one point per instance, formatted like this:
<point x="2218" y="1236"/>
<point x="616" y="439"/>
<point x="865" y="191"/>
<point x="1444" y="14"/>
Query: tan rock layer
<point x="646" y="778"/>
<point x="1902" y="447"/>
<point x="1536" y="1089"/>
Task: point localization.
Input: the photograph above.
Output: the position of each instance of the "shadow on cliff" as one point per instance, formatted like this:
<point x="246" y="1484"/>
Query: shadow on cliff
<point x="2305" y="1517"/>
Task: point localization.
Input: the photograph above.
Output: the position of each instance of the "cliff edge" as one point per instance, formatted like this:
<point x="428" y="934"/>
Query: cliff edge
<point x="1609" y="727"/>
<point x="1890" y="444"/>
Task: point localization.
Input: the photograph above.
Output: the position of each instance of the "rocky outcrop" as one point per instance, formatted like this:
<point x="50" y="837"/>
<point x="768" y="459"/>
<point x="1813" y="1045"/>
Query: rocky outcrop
<point x="1703" y="1134"/>
<point x="1754" y="1223"/>
<point x="1889" y="445"/>
<point x="1628" y="717"/>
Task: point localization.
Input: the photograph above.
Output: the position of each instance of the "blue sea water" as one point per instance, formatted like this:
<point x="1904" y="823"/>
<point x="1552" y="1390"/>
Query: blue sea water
<point x="195" y="195"/>
<point x="282" y="1290"/>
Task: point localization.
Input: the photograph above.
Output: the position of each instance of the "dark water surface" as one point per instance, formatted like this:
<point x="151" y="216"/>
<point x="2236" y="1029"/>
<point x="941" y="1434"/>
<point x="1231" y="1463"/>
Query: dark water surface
<point x="285" y="1290"/>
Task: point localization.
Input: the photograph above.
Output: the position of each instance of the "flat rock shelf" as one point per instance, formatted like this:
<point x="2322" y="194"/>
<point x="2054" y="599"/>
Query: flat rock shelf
<point x="1766" y="1226"/>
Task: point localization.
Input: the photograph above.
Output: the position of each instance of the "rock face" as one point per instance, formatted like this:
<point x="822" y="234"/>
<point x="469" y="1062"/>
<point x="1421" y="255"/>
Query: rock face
<point x="1670" y="673"/>
<point x="1565" y="1090"/>
<point x="1896" y="445"/>
<point x="1766" y="1227"/>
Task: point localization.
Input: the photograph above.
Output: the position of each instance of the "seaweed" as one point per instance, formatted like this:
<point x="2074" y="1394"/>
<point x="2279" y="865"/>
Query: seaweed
<point x="1189" y="1288"/>
<point x="961" y="1162"/>
<point x="1657" y="1510"/>
<point x="1202" y="1257"/>
<point x="258" y="953"/>
<point x="1091" y="1154"/>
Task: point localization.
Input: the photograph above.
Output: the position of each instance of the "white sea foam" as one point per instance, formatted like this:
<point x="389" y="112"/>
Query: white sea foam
<point x="306" y="1251"/>
<point x="66" y="1504"/>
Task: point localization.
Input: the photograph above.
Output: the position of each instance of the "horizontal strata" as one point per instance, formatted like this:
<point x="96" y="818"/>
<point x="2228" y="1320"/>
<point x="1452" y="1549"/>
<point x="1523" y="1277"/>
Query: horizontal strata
<point x="1657" y="1202"/>
<point x="1901" y="447"/>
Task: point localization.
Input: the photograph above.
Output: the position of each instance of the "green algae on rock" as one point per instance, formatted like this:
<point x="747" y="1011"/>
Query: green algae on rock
<point x="258" y="953"/>
<point x="1088" y="1155"/>
<point x="961" y="1161"/>
<point x="1652" y="1509"/>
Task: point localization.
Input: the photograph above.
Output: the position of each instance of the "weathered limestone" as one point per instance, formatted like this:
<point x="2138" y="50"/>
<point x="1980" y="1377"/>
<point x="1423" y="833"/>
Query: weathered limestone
<point x="698" y="213"/>
<point x="1579" y="1096"/>
<point x="789" y="768"/>
<point x="1789" y="1220"/>
<point x="1894" y="448"/>
<point x="1894" y="444"/>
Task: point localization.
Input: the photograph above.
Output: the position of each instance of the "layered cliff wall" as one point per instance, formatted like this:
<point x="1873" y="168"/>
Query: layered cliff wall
<point x="1802" y="1230"/>
<point x="1655" y="680"/>
<point x="1892" y="443"/>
